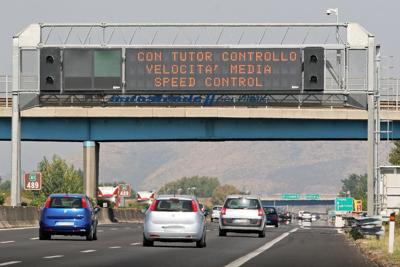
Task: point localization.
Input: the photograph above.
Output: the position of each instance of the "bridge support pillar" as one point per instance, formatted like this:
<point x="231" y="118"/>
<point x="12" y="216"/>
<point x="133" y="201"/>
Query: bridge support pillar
<point x="91" y="167"/>
<point x="16" y="130"/>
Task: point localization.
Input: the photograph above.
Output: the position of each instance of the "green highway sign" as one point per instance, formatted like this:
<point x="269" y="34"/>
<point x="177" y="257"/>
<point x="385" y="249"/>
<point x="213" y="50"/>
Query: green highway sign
<point x="312" y="196"/>
<point x="290" y="196"/>
<point x="344" y="204"/>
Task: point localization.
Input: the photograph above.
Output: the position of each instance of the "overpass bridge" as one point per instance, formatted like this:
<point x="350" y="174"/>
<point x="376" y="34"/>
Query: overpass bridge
<point x="108" y="124"/>
<point x="148" y="82"/>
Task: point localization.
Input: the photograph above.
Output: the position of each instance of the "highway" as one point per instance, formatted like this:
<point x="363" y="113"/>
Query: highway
<point x="288" y="245"/>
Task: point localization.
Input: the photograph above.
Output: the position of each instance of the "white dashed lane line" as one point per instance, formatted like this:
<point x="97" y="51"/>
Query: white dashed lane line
<point x="135" y="244"/>
<point x="9" y="263"/>
<point x="7" y="242"/>
<point x="114" y="229"/>
<point x="34" y="238"/>
<point x="114" y="247"/>
<point x="88" y="251"/>
<point x="100" y="231"/>
<point x="53" y="257"/>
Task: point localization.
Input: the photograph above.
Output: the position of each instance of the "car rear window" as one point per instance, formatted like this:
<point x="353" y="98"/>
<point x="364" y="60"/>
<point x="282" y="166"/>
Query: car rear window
<point x="66" y="202"/>
<point x="270" y="210"/>
<point x="174" y="205"/>
<point x="242" y="203"/>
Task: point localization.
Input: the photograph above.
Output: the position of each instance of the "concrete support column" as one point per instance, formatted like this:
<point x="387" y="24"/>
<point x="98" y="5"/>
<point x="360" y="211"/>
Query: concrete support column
<point x="15" y="130"/>
<point x="91" y="167"/>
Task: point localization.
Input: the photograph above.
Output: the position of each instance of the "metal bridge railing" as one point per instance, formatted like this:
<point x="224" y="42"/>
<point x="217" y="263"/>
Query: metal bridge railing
<point x="389" y="90"/>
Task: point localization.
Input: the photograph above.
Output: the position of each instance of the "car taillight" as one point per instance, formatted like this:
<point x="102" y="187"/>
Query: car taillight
<point x="194" y="206"/>
<point x="153" y="205"/>
<point x="47" y="204"/>
<point x="260" y="212"/>
<point x="84" y="203"/>
<point x="223" y="211"/>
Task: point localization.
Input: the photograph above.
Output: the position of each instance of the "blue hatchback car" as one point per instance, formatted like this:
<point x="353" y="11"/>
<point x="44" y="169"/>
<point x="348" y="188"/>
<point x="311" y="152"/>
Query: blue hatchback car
<point x="68" y="214"/>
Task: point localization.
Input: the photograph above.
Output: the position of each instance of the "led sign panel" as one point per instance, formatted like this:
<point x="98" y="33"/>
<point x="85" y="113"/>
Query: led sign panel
<point x="213" y="69"/>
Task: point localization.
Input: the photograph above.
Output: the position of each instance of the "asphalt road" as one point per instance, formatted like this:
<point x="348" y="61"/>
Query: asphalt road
<point x="121" y="244"/>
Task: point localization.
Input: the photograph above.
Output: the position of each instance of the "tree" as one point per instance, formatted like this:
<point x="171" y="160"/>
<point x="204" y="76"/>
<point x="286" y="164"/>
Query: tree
<point x="57" y="177"/>
<point x="202" y="186"/>
<point x="355" y="186"/>
<point x="5" y="186"/>
<point x="394" y="156"/>
<point x="221" y="192"/>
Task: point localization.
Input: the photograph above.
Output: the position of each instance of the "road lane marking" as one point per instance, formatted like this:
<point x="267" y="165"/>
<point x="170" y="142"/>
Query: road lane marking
<point x="53" y="257"/>
<point x="34" y="238"/>
<point x="255" y="253"/>
<point x="19" y="228"/>
<point x="114" y="229"/>
<point x="339" y="231"/>
<point x="7" y="242"/>
<point x="114" y="247"/>
<point x="88" y="251"/>
<point x="135" y="244"/>
<point x="100" y="231"/>
<point x="9" y="263"/>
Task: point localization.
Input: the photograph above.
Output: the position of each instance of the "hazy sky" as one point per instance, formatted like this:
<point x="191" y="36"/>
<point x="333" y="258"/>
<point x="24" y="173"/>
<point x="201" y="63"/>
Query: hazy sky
<point x="379" y="17"/>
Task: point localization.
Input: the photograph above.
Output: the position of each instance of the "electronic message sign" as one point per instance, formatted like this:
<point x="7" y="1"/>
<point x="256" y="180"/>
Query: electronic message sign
<point x="213" y="69"/>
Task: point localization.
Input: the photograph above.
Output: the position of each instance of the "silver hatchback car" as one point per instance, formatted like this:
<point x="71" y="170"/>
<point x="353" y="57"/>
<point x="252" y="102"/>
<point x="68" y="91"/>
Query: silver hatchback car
<point x="242" y="213"/>
<point x="174" y="219"/>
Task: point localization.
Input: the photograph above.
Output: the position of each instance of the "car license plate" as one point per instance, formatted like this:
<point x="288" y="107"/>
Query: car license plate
<point x="65" y="223"/>
<point x="241" y="221"/>
<point x="268" y="221"/>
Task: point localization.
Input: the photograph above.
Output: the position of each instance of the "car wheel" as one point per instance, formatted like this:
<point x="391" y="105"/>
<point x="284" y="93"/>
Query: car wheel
<point x="212" y="219"/>
<point x="276" y="225"/>
<point x="202" y="242"/>
<point x="89" y="236"/>
<point x="261" y="233"/>
<point x="95" y="234"/>
<point x="44" y="236"/>
<point x="222" y="232"/>
<point x="147" y="243"/>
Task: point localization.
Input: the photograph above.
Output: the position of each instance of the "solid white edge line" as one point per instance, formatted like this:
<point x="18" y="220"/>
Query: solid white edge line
<point x="246" y="258"/>
<point x="7" y="242"/>
<point x="54" y="256"/>
<point x="9" y="263"/>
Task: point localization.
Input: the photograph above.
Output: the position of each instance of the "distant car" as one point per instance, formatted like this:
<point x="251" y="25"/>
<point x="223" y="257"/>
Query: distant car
<point x="272" y="216"/>
<point x="285" y="216"/>
<point x="306" y="216"/>
<point x="107" y="196"/>
<point x="314" y="217"/>
<point x="242" y="213"/>
<point x="300" y="215"/>
<point x="68" y="214"/>
<point x="174" y="219"/>
<point x="215" y="213"/>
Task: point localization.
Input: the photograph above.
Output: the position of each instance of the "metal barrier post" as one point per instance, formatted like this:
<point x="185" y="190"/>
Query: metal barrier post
<point x="391" y="233"/>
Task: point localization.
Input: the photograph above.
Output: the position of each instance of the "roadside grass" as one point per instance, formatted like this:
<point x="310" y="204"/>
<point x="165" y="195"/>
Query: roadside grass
<point x="377" y="249"/>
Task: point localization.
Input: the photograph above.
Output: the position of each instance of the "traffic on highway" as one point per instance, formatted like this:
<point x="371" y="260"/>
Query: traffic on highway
<point x="176" y="232"/>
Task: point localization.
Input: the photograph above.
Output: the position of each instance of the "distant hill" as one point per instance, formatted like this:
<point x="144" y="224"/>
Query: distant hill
<point x="261" y="167"/>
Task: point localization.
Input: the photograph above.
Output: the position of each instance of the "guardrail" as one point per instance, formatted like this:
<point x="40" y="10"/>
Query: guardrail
<point x="366" y="226"/>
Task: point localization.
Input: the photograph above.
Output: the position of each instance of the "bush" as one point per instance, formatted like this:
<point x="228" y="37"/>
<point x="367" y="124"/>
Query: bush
<point x="2" y="199"/>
